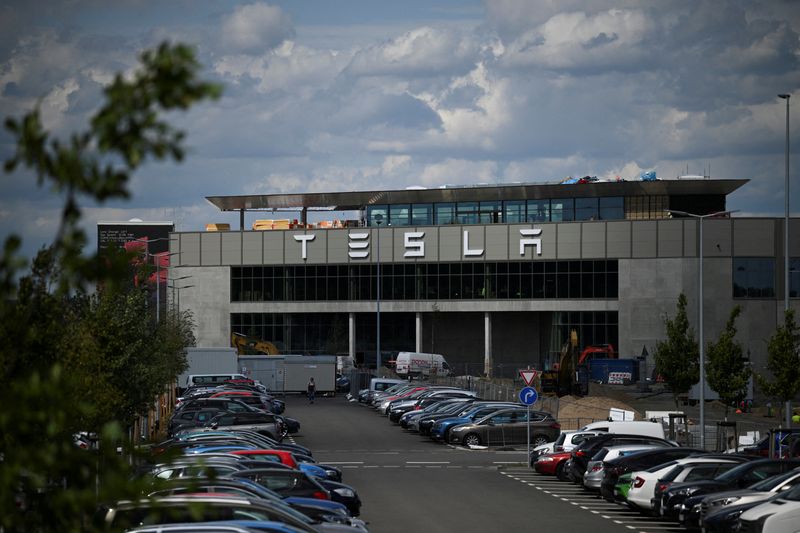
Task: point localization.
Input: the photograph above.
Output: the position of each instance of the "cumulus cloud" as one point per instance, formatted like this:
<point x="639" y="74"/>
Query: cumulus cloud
<point x="256" y="28"/>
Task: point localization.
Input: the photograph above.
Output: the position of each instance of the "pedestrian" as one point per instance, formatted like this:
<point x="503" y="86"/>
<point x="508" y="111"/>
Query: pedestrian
<point x="312" y="389"/>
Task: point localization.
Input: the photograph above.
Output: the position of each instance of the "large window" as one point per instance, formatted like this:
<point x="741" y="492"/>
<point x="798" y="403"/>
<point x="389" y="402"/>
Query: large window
<point x="753" y="277"/>
<point x="586" y="209"/>
<point x="374" y="210"/>
<point x="538" y="210"/>
<point x="794" y="277"/>
<point x="445" y="214"/>
<point x="427" y="281"/>
<point x="399" y="214"/>
<point x="612" y="208"/>
<point x="562" y="210"/>
<point x="514" y="211"/>
<point x="421" y="214"/>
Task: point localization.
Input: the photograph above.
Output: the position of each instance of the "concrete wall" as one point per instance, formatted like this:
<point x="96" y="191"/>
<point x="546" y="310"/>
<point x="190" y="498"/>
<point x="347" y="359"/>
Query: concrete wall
<point x="657" y="261"/>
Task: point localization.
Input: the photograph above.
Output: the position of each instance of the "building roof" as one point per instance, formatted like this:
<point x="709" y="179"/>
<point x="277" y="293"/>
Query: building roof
<point x="355" y="200"/>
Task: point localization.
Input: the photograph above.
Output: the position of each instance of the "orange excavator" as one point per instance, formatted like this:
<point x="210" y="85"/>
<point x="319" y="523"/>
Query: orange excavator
<point x="249" y="345"/>
<point x="571" y="374"/>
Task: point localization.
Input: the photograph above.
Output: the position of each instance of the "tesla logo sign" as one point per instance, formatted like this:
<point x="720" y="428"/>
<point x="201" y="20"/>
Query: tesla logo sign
<point x="358" y="244"/>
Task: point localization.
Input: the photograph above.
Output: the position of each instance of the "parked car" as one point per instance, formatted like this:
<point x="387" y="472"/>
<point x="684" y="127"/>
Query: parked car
<point x="255" y="399"/>
<point x="644" y="482"/>
<point x="778" y="515"/>
<point x="410" y="420"/>
<point x="565" y="442"/>
<point x="638" y="461"/>
<point x="191" y="418"/>
<point x="398" y="409"/>
<point x="593" y="477"/>
<point x="204" y="508"/>
<point x="223" y="404"/>
<point x="262" y="423"/>
<point x="719" y="512"/>
<point x="507" y="427"/>
<point x="584" y="452"/>
<point x="739" y="477"/>
<point x="440" y="429"/>
<point x="321" y="510"/>
<point x="379" y="385"/>
<point x="552" y="464"/>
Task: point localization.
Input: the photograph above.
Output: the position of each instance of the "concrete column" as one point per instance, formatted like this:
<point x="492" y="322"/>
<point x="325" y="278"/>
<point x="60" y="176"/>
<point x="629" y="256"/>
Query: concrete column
<point x="419" y="333"/>
<point x="487" y="344"/>
<point x="351" y="335"/>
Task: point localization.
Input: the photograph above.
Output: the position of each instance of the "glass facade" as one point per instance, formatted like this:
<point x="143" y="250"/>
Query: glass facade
<point x="427" y="281"/>
<point x="327" y="333"/>
<point x="515" y="211"/>
<point x="592" y="327"/>
<point x="753" y="277"/>
<point x="794" y="277"/>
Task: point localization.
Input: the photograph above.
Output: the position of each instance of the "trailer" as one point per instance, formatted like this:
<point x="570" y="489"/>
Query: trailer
<point x="284" y="374"/>
<point x="300" y="368"/>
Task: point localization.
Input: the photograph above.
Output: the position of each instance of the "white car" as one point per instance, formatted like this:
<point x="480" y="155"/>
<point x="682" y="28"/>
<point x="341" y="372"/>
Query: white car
<point x="593" y="477"/>
<point x="781" y="515"/>
<point x="566" y="442"/>
<point x="643" y="483"/>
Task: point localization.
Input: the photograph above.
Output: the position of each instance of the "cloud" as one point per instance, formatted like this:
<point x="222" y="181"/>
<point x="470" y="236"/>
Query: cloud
<point x="422" y="51"/>
<point x="255" y="28"/>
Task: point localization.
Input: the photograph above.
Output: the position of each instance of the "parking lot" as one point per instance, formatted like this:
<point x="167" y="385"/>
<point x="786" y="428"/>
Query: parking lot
<point x="408" y="483"/>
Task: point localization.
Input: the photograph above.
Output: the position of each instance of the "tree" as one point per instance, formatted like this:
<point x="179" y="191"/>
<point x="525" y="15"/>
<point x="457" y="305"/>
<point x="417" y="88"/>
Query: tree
<point x="783" y="362"/>
<point x="727" y="371"/>
<point x="66" y="361"/>
<point x="678" y="357"/>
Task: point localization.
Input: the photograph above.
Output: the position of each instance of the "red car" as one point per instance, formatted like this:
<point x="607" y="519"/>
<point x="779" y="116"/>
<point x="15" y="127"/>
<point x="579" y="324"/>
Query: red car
<point x="285" y="457"/>
<point x="552" y="464"/>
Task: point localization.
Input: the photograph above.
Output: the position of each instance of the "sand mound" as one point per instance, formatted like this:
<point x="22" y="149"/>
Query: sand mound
<point x="574" y="412"/>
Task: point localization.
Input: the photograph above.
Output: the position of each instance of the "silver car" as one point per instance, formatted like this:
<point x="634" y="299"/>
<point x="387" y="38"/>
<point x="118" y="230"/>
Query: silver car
<point x="593" y="478"/>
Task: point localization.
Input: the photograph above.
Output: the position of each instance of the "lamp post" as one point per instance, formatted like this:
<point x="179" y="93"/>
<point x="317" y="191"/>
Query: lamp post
<point x="786" y="240"/>
<point x="378" y="220"/>
<point x="158" y="268"/>
<point x="174" y="288"/>
<point x="700" y="317"/>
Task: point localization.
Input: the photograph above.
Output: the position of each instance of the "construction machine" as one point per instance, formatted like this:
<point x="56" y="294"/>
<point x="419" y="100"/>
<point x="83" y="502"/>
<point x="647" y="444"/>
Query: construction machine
<point x="571" y="374"/>
<point x="252" y="346"/>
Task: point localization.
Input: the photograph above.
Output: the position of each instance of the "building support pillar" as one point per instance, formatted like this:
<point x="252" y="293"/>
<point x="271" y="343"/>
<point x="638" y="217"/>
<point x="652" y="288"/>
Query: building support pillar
<point x="241" y="219"/>
<point x="351" y="336"/>
<point x="487" y="344"/>
<point x="418" y="345"/>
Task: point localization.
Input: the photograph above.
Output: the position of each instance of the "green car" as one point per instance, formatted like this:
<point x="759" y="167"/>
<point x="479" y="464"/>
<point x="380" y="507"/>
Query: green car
<point x="622" y="487"/>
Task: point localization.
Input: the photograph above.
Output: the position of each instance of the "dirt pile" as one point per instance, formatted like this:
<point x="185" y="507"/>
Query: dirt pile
<point x="574" y="412"/>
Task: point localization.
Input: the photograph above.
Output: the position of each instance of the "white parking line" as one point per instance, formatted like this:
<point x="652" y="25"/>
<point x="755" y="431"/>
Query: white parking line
<point x="427" y="462"/>
<point x="344" y="462"/>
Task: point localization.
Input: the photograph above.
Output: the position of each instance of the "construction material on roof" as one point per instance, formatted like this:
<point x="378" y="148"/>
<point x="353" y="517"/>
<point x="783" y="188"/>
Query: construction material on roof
<point x="218" y="227"/>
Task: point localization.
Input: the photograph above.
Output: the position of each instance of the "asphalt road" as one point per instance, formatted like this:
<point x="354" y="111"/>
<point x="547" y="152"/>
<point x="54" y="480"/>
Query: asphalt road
<point x="409" y="483"/>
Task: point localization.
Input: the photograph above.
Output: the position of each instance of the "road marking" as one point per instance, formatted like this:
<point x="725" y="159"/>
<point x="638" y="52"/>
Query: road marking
<point x="344" y="462"/>
<point x="370" y="466"/>
<point x="391" y="466"/>
<point x="427" y="462"/>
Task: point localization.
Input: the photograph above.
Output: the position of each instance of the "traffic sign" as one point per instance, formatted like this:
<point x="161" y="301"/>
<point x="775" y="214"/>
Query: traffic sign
<point x="528" y="375"/>
<point x="528" y="395"/>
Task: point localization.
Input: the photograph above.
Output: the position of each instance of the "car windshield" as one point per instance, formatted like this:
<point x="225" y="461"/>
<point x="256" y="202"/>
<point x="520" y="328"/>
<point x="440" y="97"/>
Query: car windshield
<point x="600" y="455"/>
<point x="792" y="494"/>
<point x="734" y="473"/>
<point x="672" y="474"/>
<point x="772" y="482"/>
<point x="561" y="438"/>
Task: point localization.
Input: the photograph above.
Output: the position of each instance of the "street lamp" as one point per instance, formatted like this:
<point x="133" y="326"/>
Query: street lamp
<point x="174" y="288"/>
<point x="158" y="268"/>
<point x="786" y="240"/>
<point x="700" y="317"/>
<point x="378" y="221"/>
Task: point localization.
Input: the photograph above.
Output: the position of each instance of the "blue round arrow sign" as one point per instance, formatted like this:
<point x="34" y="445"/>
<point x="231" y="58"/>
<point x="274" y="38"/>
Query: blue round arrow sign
<point x="528" y="395"/>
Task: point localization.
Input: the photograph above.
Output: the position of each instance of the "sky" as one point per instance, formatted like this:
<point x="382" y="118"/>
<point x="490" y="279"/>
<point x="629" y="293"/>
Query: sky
<point x="323" y="95"/>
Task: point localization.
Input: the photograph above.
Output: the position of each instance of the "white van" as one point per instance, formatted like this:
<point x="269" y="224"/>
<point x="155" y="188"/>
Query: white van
<point x="410" y="364"/>
<point x="638" y="427"/>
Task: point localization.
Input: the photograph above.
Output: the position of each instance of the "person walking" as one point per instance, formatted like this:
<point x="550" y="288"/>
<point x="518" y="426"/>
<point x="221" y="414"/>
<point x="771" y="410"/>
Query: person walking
<point x="312" y="389"/>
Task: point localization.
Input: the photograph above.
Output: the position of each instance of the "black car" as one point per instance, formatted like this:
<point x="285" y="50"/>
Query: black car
<point x="587" y="449"/>
<point x="736" y="478"/>
<point x="639" y="461"/>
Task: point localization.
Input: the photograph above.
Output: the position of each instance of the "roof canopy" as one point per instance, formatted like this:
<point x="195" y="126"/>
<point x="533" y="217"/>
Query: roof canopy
<point x="351" y="201"/>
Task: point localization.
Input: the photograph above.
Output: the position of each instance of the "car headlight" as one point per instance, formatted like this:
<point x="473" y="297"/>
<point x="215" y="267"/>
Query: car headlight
<point x="345" y="492"/>
<point x="544" y="459"/>
<point x="688" y="491"/>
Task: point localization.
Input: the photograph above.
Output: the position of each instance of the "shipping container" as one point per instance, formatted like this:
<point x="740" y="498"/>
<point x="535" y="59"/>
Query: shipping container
<point x="614" y="371"/>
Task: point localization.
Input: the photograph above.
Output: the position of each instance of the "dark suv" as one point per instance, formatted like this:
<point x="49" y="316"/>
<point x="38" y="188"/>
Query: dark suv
<point x="583" y="453"/>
